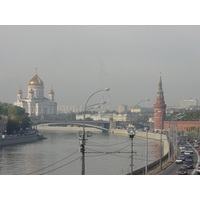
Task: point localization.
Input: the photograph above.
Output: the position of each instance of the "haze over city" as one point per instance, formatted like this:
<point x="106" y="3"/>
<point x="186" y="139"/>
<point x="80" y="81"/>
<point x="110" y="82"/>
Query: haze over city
<point x="79" y="60"/>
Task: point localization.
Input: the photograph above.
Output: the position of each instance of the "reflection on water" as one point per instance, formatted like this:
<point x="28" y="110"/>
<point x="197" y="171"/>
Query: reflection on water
<point x="59" y="155"/>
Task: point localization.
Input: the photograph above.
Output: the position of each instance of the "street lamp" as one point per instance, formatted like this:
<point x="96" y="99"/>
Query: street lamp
<point x="146" y="152"/>
<point x="83" y="136"/>
<point x="161" y="146"/>
<point x="140" y="102"/>
<point x="131" y="133"/>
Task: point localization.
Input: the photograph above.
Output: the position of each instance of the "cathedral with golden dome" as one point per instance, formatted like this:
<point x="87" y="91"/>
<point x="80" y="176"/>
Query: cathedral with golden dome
<point x="35" y="103"/>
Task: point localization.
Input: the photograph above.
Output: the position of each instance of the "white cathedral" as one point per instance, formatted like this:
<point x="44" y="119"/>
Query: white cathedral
<point x="36" y="104"/>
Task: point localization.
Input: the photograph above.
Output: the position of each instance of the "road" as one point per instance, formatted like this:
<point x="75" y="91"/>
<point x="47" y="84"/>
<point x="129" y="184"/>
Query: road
<point x="173" y="168"/>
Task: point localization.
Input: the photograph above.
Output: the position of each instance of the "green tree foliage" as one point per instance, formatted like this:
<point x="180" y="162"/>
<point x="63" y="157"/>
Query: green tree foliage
<point x="185" y="116"/>
<point x="71" y="116"/>
<point x="4" y="108"/>
<point x="15" y="111"/>
<point x="17" y="117"/>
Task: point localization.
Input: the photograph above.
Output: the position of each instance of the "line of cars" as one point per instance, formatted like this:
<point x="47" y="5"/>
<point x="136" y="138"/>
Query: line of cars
<point x="185" y="157"/>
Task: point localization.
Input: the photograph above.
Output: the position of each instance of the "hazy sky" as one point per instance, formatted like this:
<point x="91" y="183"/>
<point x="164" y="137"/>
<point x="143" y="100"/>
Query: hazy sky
<point x="79" y="60"/>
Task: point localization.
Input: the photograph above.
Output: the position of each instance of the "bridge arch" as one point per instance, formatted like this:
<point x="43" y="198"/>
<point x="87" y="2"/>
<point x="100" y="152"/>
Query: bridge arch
<point x="104" y="130"/>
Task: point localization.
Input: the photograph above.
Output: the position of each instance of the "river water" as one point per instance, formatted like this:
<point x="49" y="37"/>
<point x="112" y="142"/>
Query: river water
<point x="59" y="154"/>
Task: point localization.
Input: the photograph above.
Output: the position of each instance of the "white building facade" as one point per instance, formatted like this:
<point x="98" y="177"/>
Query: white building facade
<point x="188" y="103"/>
<point x="68" y="109"/>
<point x="95" y="117"/>
<point x="35" y="103"/>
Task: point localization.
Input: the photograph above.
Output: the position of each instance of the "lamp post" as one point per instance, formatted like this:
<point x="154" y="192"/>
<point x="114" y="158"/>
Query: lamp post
<point x="131" y="133"/>
<point x="140" y="102"/>
<point x="83" y="136"/>
<point x="146" y="152"/>
<point x="131" y="136"/>
<point x="161" y="146"/>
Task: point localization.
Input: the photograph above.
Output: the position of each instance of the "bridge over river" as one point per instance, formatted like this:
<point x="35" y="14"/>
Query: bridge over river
<point x="105" y="126"/>
<point x="104" y="130"/>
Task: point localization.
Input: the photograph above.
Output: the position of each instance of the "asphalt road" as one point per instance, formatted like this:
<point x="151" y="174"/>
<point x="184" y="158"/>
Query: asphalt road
<point x="173" y="168"/>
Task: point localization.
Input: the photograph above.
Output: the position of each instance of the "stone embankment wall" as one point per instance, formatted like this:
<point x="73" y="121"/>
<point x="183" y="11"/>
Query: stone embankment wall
<point x="11" y="140"/>
<point x="151" y="136"/>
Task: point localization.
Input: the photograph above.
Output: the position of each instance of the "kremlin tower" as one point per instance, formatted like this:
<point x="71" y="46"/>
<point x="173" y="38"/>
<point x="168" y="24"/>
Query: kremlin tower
<point x="159" y="108"/>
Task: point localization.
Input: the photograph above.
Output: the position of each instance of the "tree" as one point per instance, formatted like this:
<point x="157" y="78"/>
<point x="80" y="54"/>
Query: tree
<point x="16" y="111"/>
<point x="185" y="116"/>
<point x="17" y="117"/>
<point x="4" y="108"/>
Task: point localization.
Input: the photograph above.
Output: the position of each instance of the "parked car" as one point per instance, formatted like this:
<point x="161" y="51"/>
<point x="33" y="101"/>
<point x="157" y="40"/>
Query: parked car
<point x="188" y="165"/>
<point x="183" y="171"/>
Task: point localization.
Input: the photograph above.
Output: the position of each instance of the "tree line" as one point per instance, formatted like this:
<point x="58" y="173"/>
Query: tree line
<point x="17" y="117"/>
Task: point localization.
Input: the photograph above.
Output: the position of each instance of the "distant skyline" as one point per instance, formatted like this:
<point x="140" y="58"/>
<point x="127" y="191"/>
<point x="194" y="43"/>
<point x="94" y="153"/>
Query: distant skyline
<point x="79" y="60"/>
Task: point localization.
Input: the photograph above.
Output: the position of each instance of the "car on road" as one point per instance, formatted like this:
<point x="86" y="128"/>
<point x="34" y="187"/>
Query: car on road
<point x="190" y="150"/>
<point x="188" y="165"/>
<point x="183" y="150"/>
<point x="182" y="156"/>
<point x="199" y="150"/>
<point x="188" y="158"/>
<point x="181" y="147"/>
<point x="198" y="169"/>
<point x="179" y="160"/>
<point x="196" y="145"/>
<point x="187" y="152"/>
<point x="183" y="171"/>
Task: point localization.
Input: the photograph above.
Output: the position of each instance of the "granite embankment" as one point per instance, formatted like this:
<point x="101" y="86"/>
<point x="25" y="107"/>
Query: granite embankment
<point x="12" y="140"/>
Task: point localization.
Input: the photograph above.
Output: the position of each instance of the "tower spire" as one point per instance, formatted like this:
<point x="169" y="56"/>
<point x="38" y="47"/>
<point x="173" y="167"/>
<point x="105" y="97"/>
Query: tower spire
<point x="159" y="107"/>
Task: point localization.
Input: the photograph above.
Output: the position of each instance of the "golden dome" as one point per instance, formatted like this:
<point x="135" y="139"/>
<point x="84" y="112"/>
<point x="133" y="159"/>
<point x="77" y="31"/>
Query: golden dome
<point x="19" y="91"/>
<point x="31" y="91"/>
<point x="51" y="92"/>
<point x="35" y="81"/>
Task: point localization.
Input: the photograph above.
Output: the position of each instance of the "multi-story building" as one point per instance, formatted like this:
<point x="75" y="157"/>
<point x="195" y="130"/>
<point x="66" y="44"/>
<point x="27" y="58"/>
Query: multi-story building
<point x="35" y="103"/>
<point x="68" y="109"/>
<point x="122" y="109"/>
<point x="95" y="117"/>
<point x="188" y="103"/>
<point x="122" y="117"/>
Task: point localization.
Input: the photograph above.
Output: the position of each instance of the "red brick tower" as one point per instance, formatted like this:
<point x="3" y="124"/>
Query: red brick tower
<point x="159" y="108"/>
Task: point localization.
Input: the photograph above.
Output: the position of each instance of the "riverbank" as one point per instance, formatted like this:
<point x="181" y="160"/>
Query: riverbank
<point x="18" y="139"/>
<point x="67" y="128"/>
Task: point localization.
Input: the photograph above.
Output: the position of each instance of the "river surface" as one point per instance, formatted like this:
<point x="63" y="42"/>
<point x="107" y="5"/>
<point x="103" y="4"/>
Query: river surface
<point x="59" y="154"/>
